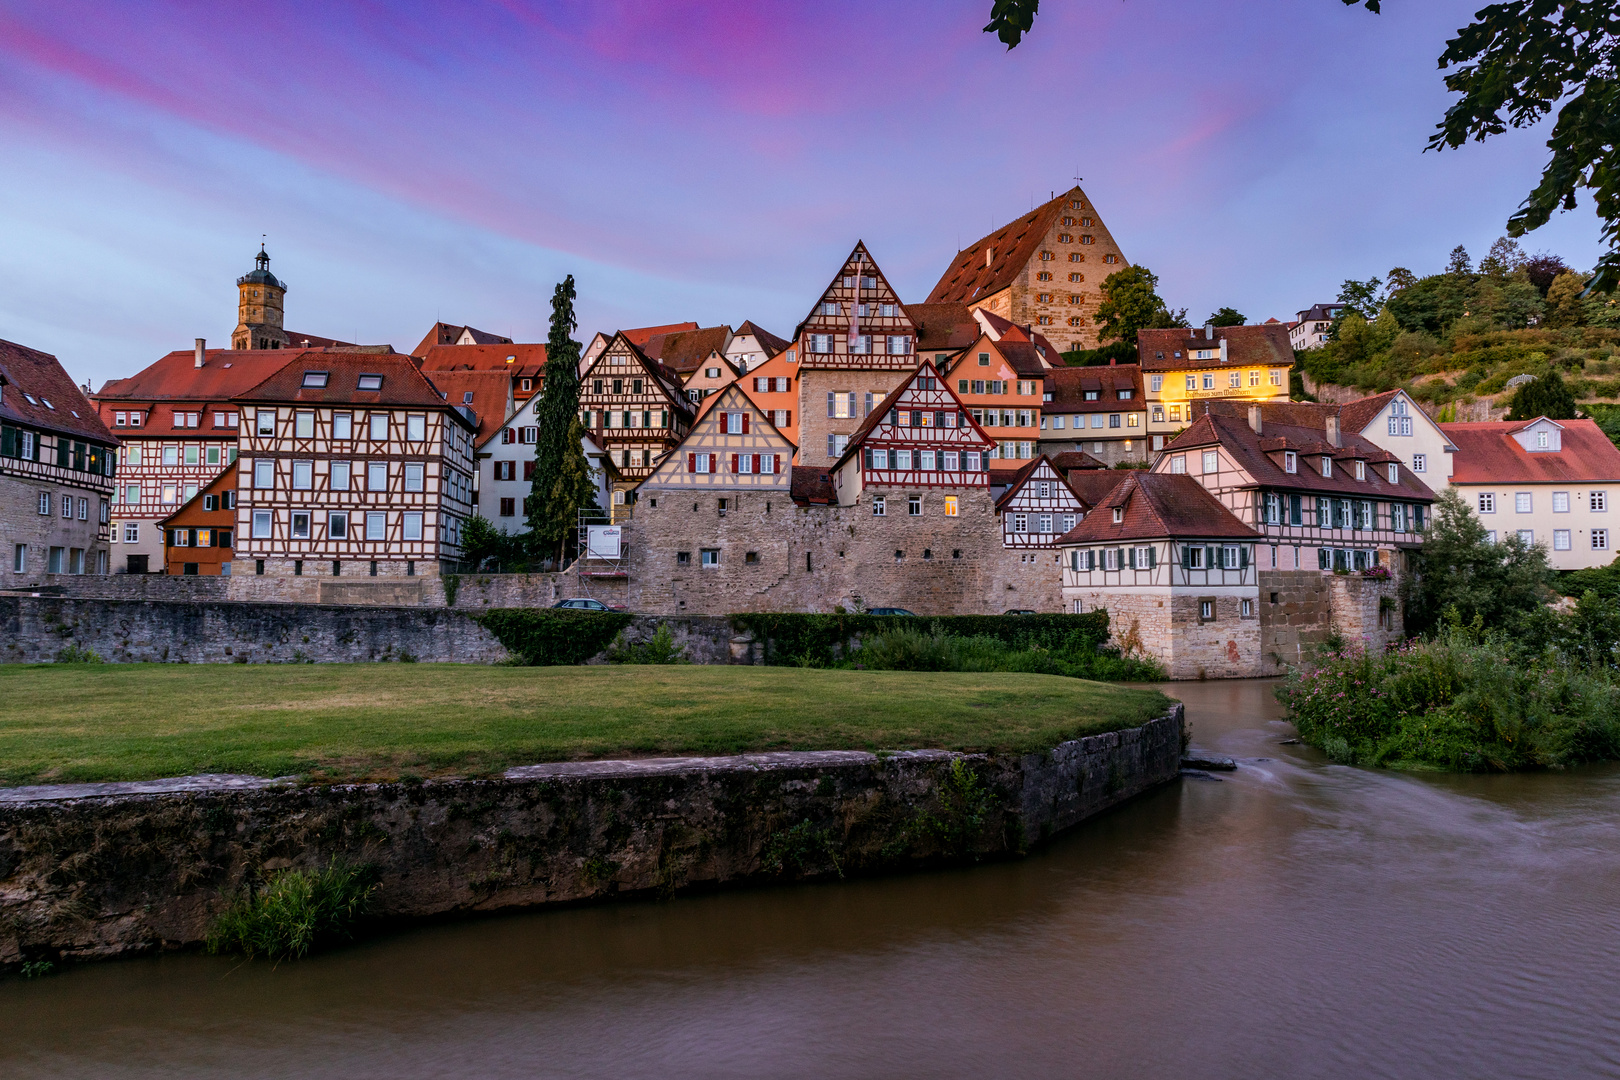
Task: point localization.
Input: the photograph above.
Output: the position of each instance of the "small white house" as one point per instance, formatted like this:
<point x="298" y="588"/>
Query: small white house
<point x="506" y="468"/>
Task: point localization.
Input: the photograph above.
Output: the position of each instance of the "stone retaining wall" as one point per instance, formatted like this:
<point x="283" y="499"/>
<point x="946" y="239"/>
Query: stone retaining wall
<point x="104" y="870"/>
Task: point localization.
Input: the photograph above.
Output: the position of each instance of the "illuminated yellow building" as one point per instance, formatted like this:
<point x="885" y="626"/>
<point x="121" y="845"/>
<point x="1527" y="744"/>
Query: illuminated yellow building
<point x="1181" y="366"/>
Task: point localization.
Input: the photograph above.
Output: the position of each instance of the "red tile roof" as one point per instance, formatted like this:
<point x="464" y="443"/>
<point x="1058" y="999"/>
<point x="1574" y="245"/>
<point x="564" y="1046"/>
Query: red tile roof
<point x="812" y="485"/>
<point x="642" y="334"/>
<point x="1093" y="485"/>
<point x="1246" y="346"/>
<point x="1261" y="456"/>
<point x="1356" y="415"/>
<point x="449" y="334"/>
<point x="29" y="371"/>
<point x="491" y="396"/>
<point x="526" y="359"/>
<point x="943" y="327"/>
<point x="1076" y="459"/>
<point x="403" y="383"/>
<point x="768" y="341"/>
<point x="1158" y="505"/>
<point x="173" y="380"/>
<point x="969" y="279"/>
<point x="1007" y="328"/>
<point x="1488" y="454"/>
<point x="686" y="350"/>
<point x="1069" y="386"/>
<point x="1017" y="478"/>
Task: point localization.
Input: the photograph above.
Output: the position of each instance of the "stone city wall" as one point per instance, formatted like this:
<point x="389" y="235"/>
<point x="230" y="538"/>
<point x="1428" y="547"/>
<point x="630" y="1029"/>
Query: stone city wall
<point x="1301" y="609"/>
<point x="93" y="871"/>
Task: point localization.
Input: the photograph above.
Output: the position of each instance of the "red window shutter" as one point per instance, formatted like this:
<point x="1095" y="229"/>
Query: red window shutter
<point x="528" y="470"/>
<point x="745" y="423"/>
<point x="691" y="463"/>
<point x="776" y="463"/>
<point x="788" y="422"/>
<point x="734" y="463"/>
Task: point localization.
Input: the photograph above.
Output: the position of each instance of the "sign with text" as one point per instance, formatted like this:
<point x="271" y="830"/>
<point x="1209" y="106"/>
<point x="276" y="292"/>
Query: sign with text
<point x="602" y="541"/>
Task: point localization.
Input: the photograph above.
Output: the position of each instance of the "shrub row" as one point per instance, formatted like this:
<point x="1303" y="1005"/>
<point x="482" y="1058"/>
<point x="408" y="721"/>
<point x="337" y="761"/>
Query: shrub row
<point x="547" y="636"/>
<point x="791" y="638"/>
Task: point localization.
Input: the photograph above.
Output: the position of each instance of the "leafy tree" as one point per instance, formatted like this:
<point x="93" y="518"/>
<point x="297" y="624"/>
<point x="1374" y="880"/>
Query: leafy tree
<point x="1547" y="396"/>
<point x="1564" y="307"/>
<point x="1503" y="259"/>
<point x="1399" y="278"/>
<point x="1227" y="317"/>
<point x="1543" y="270"/>
<point x="1113" y="352"/>
<point x="1130" y="303"/>
<point x="1459" y="568"/>
<point x="1361" y="297"/>
<point x="556" y="493"/>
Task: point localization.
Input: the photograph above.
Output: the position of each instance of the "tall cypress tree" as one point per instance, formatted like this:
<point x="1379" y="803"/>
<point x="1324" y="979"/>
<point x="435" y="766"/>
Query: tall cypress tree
<point x="562" y="476"/>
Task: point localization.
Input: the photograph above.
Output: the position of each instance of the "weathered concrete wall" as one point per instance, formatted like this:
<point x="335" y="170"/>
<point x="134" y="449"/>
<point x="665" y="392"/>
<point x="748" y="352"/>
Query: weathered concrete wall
<point x="109" y="874"/>
<point x="35" y="629"/>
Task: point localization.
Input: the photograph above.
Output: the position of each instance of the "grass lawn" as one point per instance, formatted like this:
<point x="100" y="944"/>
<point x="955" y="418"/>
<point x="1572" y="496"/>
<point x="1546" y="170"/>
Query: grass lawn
<point x="379" y="721"/>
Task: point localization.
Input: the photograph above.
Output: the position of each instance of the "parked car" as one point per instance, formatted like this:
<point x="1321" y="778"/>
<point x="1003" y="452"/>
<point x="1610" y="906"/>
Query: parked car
<point x="1018" y="611"/>
<point x="585" y="603"/>
<point x="890" y="611"/>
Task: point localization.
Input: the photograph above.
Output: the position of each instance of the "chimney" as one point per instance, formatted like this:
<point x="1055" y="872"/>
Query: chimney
<point x="1333" y="429"/>
<point x="202" y="350"/>
<point x="1254" y="418"/>
<point x="989" y="255"/>
<point x="1209" y="331"/>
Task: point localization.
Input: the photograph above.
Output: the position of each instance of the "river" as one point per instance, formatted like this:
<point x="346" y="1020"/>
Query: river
<point x="1296" y="919"/>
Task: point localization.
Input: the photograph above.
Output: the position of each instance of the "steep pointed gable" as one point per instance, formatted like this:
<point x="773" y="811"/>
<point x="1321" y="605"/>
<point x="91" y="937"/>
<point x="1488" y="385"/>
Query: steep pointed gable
<point x="1038" y="470"/>
<point x="922" y="435"/>
<point x="885" y="337"/>
<point x="623" y="355"/>
<point x="733" y="444"/>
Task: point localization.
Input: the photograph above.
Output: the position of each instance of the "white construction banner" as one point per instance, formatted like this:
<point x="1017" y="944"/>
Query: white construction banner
<point x="602" y="541"/>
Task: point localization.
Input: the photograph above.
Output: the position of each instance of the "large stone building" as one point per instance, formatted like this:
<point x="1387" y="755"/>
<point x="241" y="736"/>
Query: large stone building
<point x="1044" y="269"/>
<point x="56" y="472"/>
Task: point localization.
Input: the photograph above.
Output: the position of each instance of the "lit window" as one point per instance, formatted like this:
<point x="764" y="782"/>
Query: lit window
<point x="950" y="506"/>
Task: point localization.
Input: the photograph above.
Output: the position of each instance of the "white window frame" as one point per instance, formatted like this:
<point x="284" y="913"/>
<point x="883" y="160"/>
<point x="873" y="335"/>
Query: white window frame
<point x="376" y="526"/>
<point x="377" y="422"/>
<point x="374" y="471"/>
<point x="262" y="522"/>
<point x="264" y="473"/>
<point x="415" y="476"/>
<point x="266" y="421"/>
<point x="411" y="525"/>
<point x="303" y="475"/>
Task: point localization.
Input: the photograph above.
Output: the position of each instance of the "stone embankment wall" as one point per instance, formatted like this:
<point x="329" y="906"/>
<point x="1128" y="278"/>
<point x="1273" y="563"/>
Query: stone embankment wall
<point x="110" y="874"/>
<point x="1300" y="609"/>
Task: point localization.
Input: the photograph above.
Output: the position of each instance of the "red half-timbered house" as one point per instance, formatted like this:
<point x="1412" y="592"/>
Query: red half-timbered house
<point x="634" y="408"/>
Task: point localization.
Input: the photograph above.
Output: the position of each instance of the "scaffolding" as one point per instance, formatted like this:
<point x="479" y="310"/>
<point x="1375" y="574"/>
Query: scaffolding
<point x="602" y="556"/>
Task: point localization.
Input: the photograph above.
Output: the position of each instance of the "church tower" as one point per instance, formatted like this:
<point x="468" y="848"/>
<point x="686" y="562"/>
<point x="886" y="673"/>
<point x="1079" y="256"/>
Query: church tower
<point x="259" y="308"/>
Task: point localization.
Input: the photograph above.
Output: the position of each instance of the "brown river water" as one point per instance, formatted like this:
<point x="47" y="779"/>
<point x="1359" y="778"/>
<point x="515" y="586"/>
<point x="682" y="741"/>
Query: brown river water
<point x="1298" y="919"/>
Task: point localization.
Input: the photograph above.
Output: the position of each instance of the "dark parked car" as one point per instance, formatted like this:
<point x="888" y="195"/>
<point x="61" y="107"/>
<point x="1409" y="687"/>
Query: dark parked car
<point x="585" y="603"/>
<point x="1018" y="611"/>
<point x="890" y="611"/>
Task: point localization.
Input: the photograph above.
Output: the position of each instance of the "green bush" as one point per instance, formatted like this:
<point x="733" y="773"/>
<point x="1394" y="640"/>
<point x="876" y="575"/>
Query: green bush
<point x="914" y="648"/>
<point x="549" y="636"/>
<point x="73" y="654"/>
<point x="296" y="912"/>
<point x="660" y="650"/>
<point x="1456" y="703"/>
<point x="822" y="639"/>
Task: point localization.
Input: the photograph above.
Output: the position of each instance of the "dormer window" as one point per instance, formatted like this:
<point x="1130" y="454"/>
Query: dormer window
<point x="466" y="397"/>
<point x="1361" y="470"/>
<point x="1327" y="465"/>
<point x="1126" y="395"/>
<point x="369" y="382"/>
<point x="1394" y="473"/>
<point x="1290" y="461"/>
<point x="1093" y="395"/>
<point x="1119" y="514"/>
<point x="1541" y="440"/>
<point x="315" y="380"/>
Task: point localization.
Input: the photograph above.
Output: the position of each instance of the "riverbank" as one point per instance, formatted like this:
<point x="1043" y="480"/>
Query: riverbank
<point x="349" y="722"/>
<point x="88" y="874"/>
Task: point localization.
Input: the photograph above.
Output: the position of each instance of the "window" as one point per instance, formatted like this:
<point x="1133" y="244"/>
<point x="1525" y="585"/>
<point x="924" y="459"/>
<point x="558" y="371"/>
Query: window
<point x="19" y="558"/>
<point x="261" y="524"/>
<point x="342" y="425"/>
<point x="413" y="476"/>
<point x="1043" y="523"/>
<point x="1206" y="611"/>
<point x="211" y="455"/>
<point x="1209" y="380"/>
<point x="171" y="455"/>
<point x="303" y="475"/>
<point x="379" y="427"/>
<point x="1394" y="473"/>
<point x="1541" y="439"/>
<point x="413" y="524"/>
<point x="415" y="427"/>
<point x="1020" y="523"/>
<point x="376" y="525"/>
<point x="1212" y="461"/>
<point x="304" y="423"/>
<point x="1521" y="502"/>
<point x="950" y="506"/>
<point x="1560" y="502"/>
<point x="1234" y="380"/>
<point x="337" y="525"/>
<point x="1178" y="464"/>
<point x="709" y="558"/>
<point x="300" y="525"/>
<point x="1560" y="539"/>
<point x="376" y="476"/>
<point x="264" y="474"/>
<point x="914" y="505"/>
<point x="266" y="423"/>
<point x="53" y="563"/>
<point x="132" y="533"/>
<point x="1397" y="517"/>
<point x="1599" y="502"/>
<point x="879" y="459"/>
<point x="169" y="494"/>
<point x="1600" y="539"/>
<point x="1487" y="502"/>
<point x="369" y="382"/>
<point x="879" y="507"/>
<point x="1327" y="466"/>
<point x="339" y="476"/>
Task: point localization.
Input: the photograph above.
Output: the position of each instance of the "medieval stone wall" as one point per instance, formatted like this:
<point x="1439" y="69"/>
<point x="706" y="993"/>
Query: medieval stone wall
<point x="775" y="556"/>
<point x="814" y="423"/>
<point x="1301" y="609"/>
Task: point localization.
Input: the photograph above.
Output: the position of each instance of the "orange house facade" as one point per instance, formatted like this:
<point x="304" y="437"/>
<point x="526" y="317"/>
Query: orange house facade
<point x="199" y="538"/>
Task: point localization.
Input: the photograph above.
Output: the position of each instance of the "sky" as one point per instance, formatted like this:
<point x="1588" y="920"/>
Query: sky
<point x="413" y="162"/>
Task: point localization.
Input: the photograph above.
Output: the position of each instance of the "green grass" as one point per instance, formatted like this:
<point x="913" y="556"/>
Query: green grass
<point x="62" y="723"/>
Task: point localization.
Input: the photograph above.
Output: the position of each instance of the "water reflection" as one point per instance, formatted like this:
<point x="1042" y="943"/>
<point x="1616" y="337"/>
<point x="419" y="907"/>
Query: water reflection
<point x="1297" y="919"/>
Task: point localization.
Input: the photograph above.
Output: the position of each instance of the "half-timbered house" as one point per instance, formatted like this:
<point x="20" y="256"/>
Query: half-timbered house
<point x="199" y="539"/>
<point x="1176" y="572"/>
<point x="1184" y="368"/>
<point x="698" y="357"/>
<point x="1323" y="500"/>
<point x="1036" y="505"/>
<point x="56" y="471"/>
<point x="351" y="464"/>
<point x="921" y="444"/>
<point x="634" y="408"/>
<point x="732" y="449"/>
<point x="773" y="386"/>
<point x="855" y="347"/>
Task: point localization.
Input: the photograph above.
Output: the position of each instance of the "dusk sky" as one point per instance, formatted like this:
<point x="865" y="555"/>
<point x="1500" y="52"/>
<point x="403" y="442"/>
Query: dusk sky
<point x="707" y="161"/>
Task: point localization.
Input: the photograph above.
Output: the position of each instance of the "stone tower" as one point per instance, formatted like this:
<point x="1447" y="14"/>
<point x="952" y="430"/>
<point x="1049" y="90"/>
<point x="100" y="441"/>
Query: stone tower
<point x="259" y="308"/>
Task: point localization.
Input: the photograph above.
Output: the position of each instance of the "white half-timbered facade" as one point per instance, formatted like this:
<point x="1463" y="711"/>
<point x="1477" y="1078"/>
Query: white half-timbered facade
<point x="920" y="437"/>
<point x="351" y="465"/>
<point x="634" y="408"/>
<point x="1037" y="506"/>
<point x="734" y="446"/>
<point x="506" y="469"/>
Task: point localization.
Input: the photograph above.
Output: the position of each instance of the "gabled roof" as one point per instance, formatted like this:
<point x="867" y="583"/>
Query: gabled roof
<point x="1024" y="475"/>
<point x="1076" y="460"/>
<point x="668" y="381"/>
<point x="449" y="334"/>
<point x="29" y="371"/>
<point x="812" y="486"/>
<point x="490" y="395"/>
<point x="971" y="277"/>
<point x="1320" y="313"/>
<point x="858" y="263"/>
<point x="1266" y="345"/>
<point x="1019" y="353"/>
<point x="1069" y="386"/>
<point x="1487" y="453"/>
<point x="1253" y="454"/>
<point x="1158" y="505"/>
<point x="513" y="359"/>
<point x="769" y="342"/>
<point x="1002" y="329"/>
<point x="640" y="335"/>
<point x="1356" y="415"/>
<point x="684" y="351"/>
<point x="402" y="383"/>
<point x="880" y="414"/>
<point x="225" y="373"/>
<point x="1093" y="485"/>
<point x="944" y="327"/>
<point x="225" y="481"/>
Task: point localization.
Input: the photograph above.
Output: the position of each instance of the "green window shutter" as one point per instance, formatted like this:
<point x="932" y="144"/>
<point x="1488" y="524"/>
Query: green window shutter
<point x="1243" y="557"/>
<point x="1133" y="558"/>
<point x="1212" y="557"/>
<point x="1186" y="556"/>
<point x="1153" y="556"/>
<point x="64" y="452"/>
<point x="8" y="441"/>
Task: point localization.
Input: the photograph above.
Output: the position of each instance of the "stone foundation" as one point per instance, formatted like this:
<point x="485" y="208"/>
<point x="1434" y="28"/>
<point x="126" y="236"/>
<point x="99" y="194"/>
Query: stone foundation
<point x="94" y="871"/>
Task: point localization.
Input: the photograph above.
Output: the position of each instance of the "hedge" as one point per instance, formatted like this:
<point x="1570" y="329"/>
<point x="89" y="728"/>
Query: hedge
<point x="547" y="636"/>
<point x="796" y="638"/>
